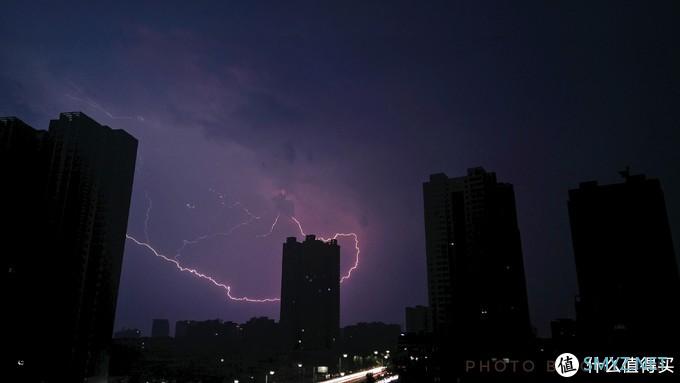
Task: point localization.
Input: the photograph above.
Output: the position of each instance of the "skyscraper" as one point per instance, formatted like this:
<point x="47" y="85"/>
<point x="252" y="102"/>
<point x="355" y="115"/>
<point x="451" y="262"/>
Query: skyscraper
<point x="629" y="289"/>
<point x="475" y="270"/>
<point x="68" y="195"/>
<point x="310" y="294"/>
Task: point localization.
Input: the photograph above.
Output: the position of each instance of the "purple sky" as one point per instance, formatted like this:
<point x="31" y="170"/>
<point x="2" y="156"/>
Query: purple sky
<point x="344" y="110"/>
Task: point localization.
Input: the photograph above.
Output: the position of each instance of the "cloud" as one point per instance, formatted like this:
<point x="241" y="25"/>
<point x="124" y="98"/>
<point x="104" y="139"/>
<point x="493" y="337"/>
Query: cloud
<point x="284" y="205"/>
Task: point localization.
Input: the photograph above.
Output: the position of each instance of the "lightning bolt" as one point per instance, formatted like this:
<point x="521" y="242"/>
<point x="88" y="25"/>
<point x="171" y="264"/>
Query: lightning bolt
<point x="251" y="217"/>
<point x="96" y="105"/>
<point x="336" y="236"/>
<point x="271" y="230"/>
<point x="197" y="273"/>
<point x="147" y="217"/>
<point x="187" y="242"/>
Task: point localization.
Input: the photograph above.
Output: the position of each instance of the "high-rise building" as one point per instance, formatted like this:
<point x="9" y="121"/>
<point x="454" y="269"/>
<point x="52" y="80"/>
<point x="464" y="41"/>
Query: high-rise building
<point x="418" y="319"/>
<point x="160" y="328"/>
<point x="310" y="294"/>
<point x="475" y="271"/>
<point x="67" y="196"/>
<point x="629" y="289"/>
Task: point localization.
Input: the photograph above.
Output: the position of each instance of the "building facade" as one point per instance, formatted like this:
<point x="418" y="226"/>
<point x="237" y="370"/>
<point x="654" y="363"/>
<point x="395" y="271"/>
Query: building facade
<point x="418" y="319"/>
<point x="476" y="283"/>
<point x="70" y="190"/>
<point x="310" y="294"/>
<point x="629" y="289"/>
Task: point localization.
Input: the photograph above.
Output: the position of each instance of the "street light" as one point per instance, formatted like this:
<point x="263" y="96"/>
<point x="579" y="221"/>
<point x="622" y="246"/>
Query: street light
<point x="266" y="377"/>
<point x="340" y="363"/>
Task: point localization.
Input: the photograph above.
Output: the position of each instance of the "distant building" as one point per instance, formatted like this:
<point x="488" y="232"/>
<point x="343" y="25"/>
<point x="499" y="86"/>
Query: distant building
<point x="67" y="196"/>
<point x="310" y="293"/>
<point x="207" y="338"/>
<point x="182" y="328"/>
<point x="260" y="333"/>
<point x="260" y="330"/>
<point x="564" y="334"/>
<point x="418" y="319"/>
<point x="205" y="330"/>
<point x="629" y="289"/>
<point x="205" y="350"/>
<point x="160" y="328"/>
<point x="475" y="270"/>
<point x="128" y="333"/>
<point x="561" y="329"/>
<point x="365" y="338"/>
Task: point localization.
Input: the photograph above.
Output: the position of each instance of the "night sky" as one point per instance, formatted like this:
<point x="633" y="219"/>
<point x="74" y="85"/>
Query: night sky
<point x="336" y="112"/>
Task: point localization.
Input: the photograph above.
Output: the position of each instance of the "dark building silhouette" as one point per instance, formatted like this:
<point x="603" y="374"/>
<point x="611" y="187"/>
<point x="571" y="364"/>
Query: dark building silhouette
<point x="365" y="338"/>
<point x="160" y="328"/>
<point x="310" y="294"/>
<point x="204" y="330"/>
<point x="629" y="289"/>
<point x="261" y="332"/>
<point x="204" y="340"/>
<point x="418" y="319"/>
<point x="475" y="270"/>
<point x="564" y="334"/>
<point x="67" y="195"/>
<point x="207" y="351"/>
<point x="128" y="333"/>
<point x="182" y="328"/>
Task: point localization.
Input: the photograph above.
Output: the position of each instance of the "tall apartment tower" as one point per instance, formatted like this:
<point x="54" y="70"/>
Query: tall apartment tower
<point x="629" y="288"/>
<point x="475" y="271"/>
<point x="67" y="193"/>
<point x="310" y="294"/>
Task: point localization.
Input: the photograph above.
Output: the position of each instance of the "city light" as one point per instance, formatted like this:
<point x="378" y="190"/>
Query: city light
<point x="355" y="376"/>
<point x="388" y="379"/>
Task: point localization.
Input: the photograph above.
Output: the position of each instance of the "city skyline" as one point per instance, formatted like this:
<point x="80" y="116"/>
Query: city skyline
<point x="77" y="179"/>
<point x="348" y="109"/>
